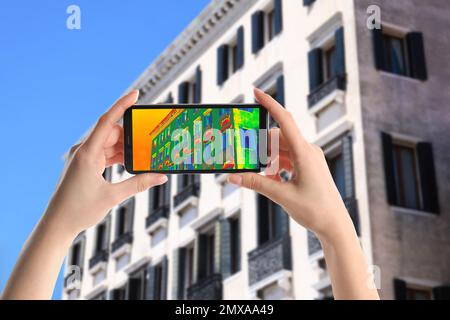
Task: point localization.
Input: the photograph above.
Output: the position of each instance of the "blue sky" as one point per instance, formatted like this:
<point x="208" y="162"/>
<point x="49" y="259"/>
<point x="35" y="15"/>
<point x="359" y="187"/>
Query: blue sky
<point x="55" y="82"/>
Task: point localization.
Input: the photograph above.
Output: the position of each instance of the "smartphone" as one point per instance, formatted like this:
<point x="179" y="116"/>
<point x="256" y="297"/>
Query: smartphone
<point x="195" y="138"/>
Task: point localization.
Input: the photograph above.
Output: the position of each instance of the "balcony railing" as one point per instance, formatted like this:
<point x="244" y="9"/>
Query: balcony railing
<point x="156" y="214"/>
<point x="269" y="258"/>
<point x="124" y="239"/>
<point x="101" y="256"/>
<point x="209" y="288"/>
<point x="73" y="276"/>
<point x="190" y="190"/>
<point x="336" y="83"/>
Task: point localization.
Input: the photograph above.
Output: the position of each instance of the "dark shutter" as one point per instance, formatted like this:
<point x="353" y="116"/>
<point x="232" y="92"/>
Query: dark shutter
<point x="107" y="232"/>
<point x="416" y="52"/>
<point x="257" y="31"/>
<point x="129" y="217"/>
<point x="150" y="287"/>
<point x="378" y="49"/>
<point x="389" y="169"/>
<point x="222" y="64"/>
<point x="151" y="197"/>
<point x="180" y="186"/>
<point x="428" y="177"/>
<point x="183" y="91"/>
<point x="133" y="289"/>
<point x="178" y="267"/>
<point x="282" y="221"/>
<point x="340" y="52"/>
<point x="166" y="187"/>
<point x="399" y="289"/>
<point x="349" y="180"/>
<point x="315" y="68"/>
<point x="164" y="270"/>
<point x="240" y="48"/>
<point x="280" y="90"/>
<point x="217" y="247"/>
<point x="197" y="178"/>
<point x="441" y="293"/>
<point x="225" y="247"/>
<point x="278" y="17"/>
<point x="201" y="261"/>
<point x="198" y="85"/>
<point x="82" y="250"/>
<point x="308" y="2"/>
<point x="169" y="98"/>
<point x="262" y="219"/>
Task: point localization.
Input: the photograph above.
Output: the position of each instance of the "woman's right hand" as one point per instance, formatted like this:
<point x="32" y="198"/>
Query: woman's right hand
<point x="310" y="197"/>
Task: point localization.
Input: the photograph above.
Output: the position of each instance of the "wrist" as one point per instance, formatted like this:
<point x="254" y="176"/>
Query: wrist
<point x="339" y="232"/>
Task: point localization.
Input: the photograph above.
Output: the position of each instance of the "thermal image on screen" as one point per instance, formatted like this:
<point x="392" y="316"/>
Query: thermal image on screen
<point x="168" y="139"/>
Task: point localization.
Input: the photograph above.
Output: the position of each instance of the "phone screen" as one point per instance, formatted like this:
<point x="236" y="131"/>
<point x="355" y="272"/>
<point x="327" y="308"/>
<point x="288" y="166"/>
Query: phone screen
<point x="197" y="138"/>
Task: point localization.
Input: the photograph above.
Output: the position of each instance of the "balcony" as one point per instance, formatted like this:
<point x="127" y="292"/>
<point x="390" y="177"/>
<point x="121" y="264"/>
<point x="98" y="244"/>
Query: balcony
<point x="209" y="288"/>
<point x="337" y="83"/>
<point x="97" y="260"/>
<point x="72" y="280"/>
<point x="157" y="218"/>
<point x="269" y="258"/>
<point x="191" y="191"/>
<point x="121" y="242"/>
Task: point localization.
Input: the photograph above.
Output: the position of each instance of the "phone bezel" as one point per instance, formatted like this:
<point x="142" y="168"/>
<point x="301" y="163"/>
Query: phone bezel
<point x="128" y="135"/>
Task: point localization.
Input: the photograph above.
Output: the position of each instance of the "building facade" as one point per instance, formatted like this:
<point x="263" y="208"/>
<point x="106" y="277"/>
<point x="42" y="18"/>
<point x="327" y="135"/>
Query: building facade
<point x="374" y="100"/>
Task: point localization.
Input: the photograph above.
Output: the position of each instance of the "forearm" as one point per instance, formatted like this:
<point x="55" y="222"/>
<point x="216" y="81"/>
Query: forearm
<point x="35" y="273"/>
<point x="347" y="265"/>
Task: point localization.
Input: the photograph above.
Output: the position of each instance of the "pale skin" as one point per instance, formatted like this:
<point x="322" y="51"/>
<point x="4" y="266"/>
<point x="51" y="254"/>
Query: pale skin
<point x="83" y="198"/>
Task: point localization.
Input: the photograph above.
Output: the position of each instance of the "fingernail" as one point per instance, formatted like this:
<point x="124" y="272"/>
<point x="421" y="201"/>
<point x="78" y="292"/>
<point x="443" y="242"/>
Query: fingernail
<point x="162" y="179"/>
<point x="235" y="179"/>
<point x="257" y="90"/>
<point x="135" y="92"/>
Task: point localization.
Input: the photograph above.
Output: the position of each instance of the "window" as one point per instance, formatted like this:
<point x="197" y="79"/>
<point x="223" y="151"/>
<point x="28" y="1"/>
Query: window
<point x="276" y="91"/>
<point x="191" y="91"/>
<point x="327" y="62"/>
<point x="266" y="24"/>
<point x="100" y="296"/>
<point x="122" y="215"/>
<point x="394" y="55"/>
<point x="206" y="250"/>
<point x="124" y="222"/>
<point x="410" y="174"/>
<point x="158" y="282"/>
<point x="272" y="220"/>
<point x="230" y="57"/>
<point x="399" y="53"/>
<point x="416" y="293"/>
<point x="75" y="259"/>
<point x="336" y="165"/>
<point x="235" y="245"/>
<point x="136" y="286"/>
<point x="119" y="293"/>
<point x="189" y="269"/>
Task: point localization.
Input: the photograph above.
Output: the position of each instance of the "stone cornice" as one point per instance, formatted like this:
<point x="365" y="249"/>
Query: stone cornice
<point x="215" y="19"/>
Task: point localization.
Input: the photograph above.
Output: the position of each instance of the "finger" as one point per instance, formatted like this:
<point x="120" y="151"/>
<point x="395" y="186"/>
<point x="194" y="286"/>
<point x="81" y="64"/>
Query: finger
<point x="102" y="129"/>
<point x="261" y="184"/>
<point x="115" y="136"/>
<point x="125" y="189"/>
<point x="291" y="133"/>
<point x="112" y="151"/>
<point x="277" y="165"/>
<point x="116" y="159"/>
<point x="274" y="132"/>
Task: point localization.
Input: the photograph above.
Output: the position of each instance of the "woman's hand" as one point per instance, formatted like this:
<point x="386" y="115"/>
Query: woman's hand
<point x="83" y="197"/>
<point x="310" y="197"/>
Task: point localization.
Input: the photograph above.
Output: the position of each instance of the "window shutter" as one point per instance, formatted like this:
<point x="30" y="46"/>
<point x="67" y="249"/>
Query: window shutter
<point x="315" y="68"/>
<point x="150" y="287"/>
<point x="151" y="193"/>
<point x="169" y="98"/>
<point x="107" y="232"/>
<point x="263" y="222"/>
<point x="198" y="85"/>
<point x="428" y="177"/>
<point x="280" y="90"/>
<point x="130" y="215"/>
<point x="82" y="249"/>
<point x="441" y="293"/>
<point x="278" y="17"/>
<point x="340" y="51"/>
<point x="378" y="49"/>
<point x="389" y="170"/>
<point x="164" y="270"/>
<point x="197" y="178"/>
<point x="416" y="52"/>
<point x="183" y="89"/>
<point x="282" y="221"/>
<point x="240" y="47"/>
<point x="308" y="2"/>
<point x="167" y="188"/>
<point x="180" y="187"/>
<point x="217" y="247"/>
<point x="225" y="248"/>
<point x="200" y="258"/>
<point x="178" y="267"/>
<point x="222" y="64"/>
<point x="257" y="31"/>
<point x="349" y="180"/>
<point x="133" y="288"/>
<point x="399" y="289"/>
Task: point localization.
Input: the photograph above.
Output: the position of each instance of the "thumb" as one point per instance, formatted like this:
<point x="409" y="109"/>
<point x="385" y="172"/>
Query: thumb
<point x="138" y="183"/>
<point x="261" y="184"/>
